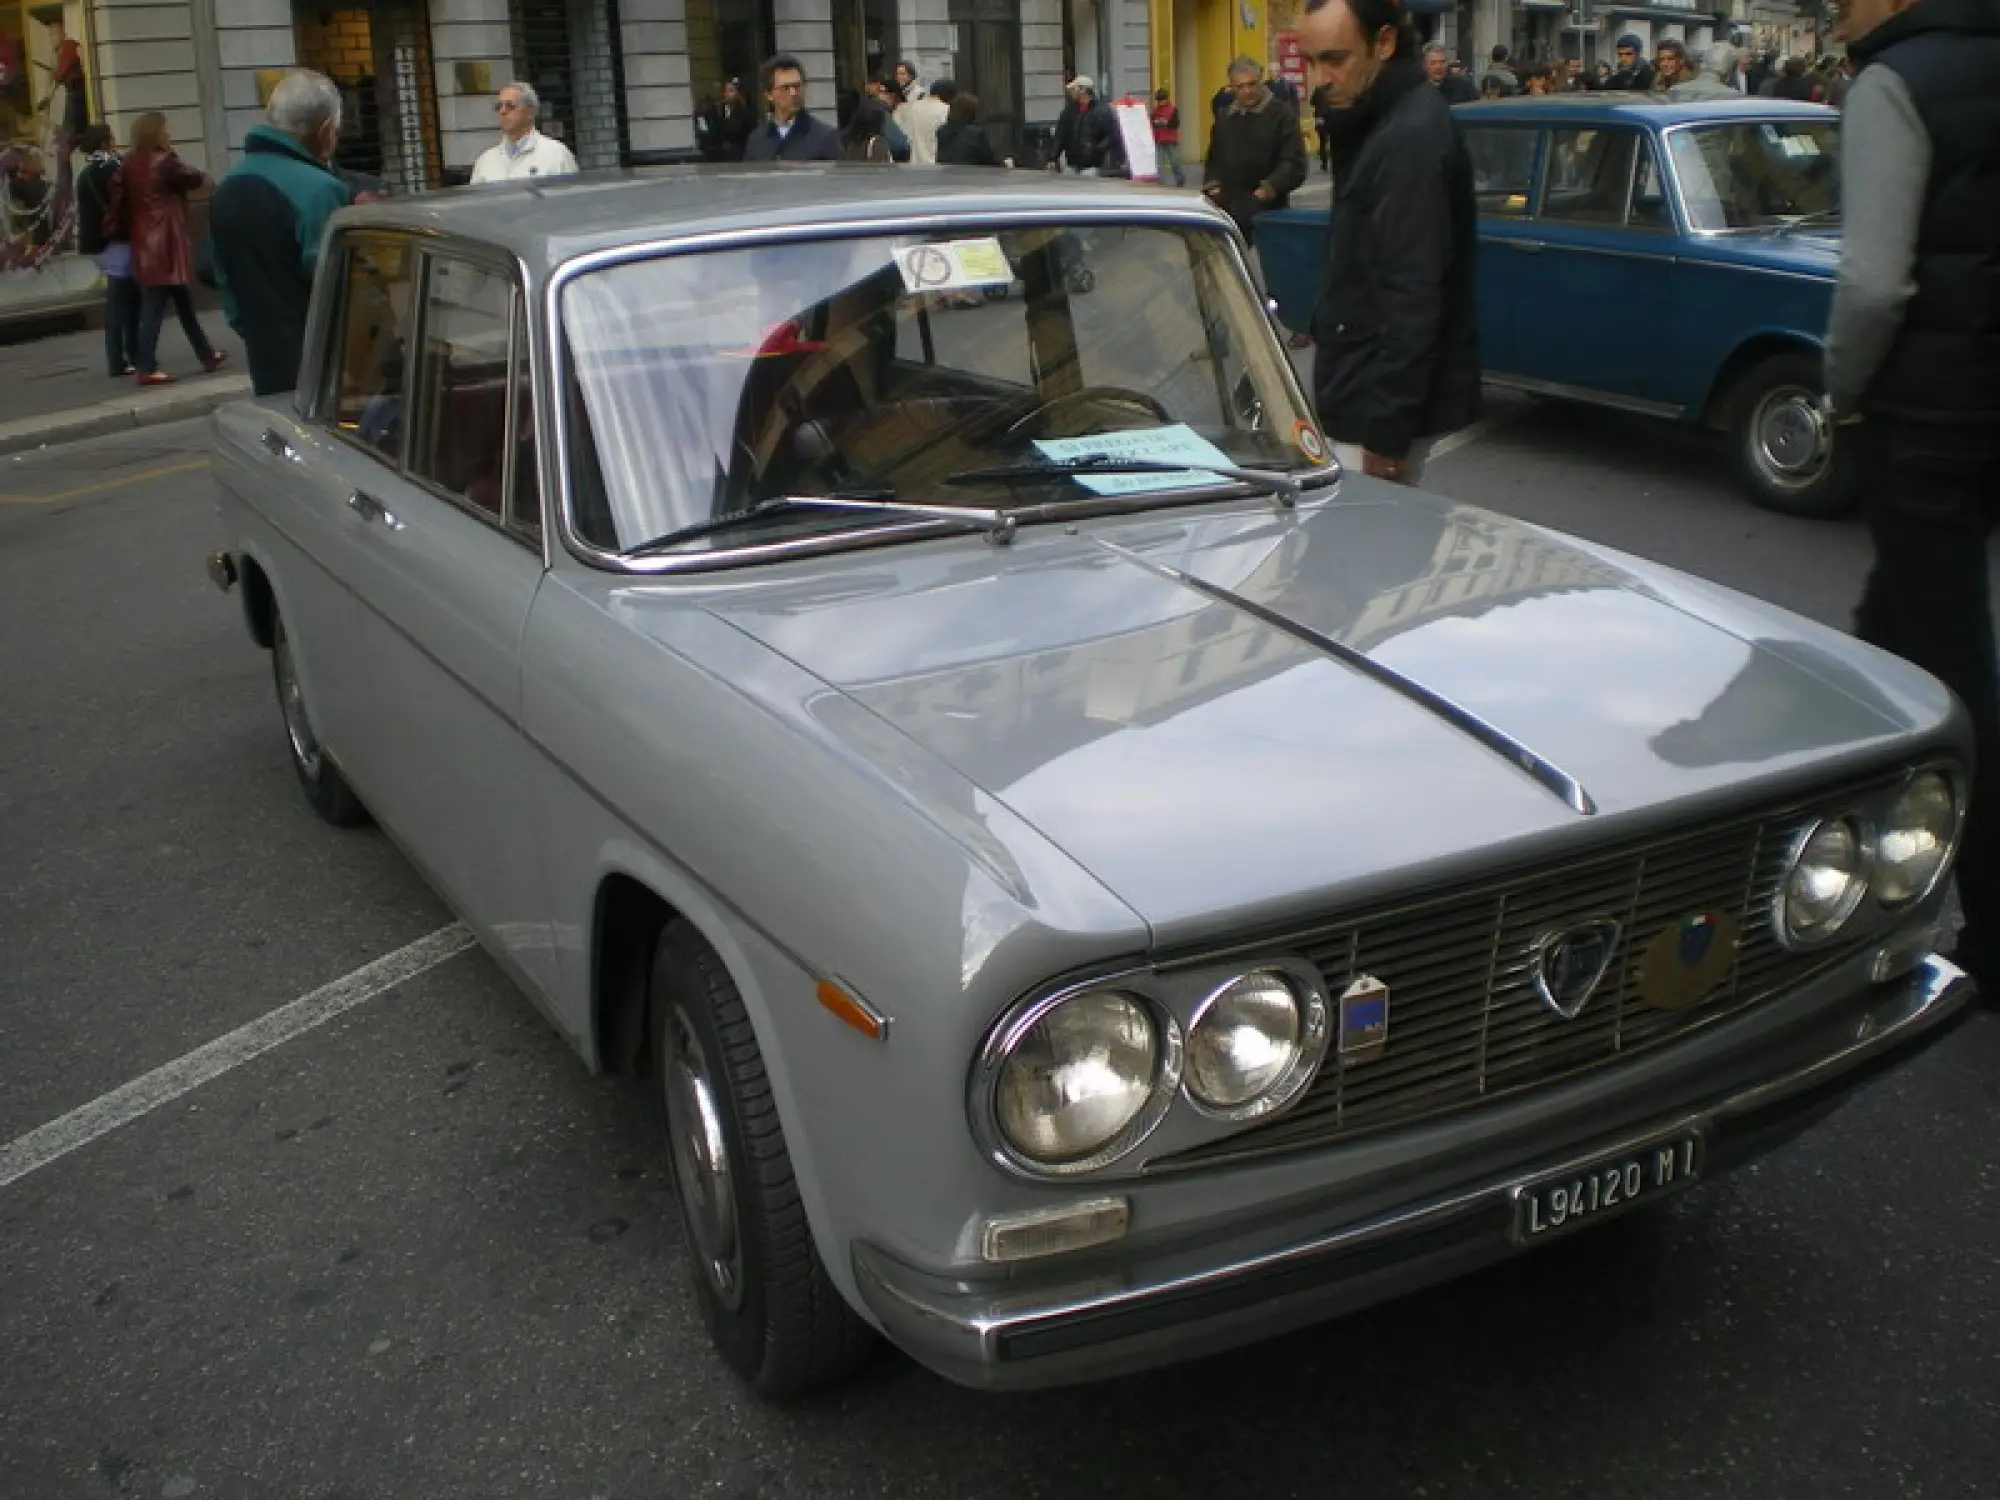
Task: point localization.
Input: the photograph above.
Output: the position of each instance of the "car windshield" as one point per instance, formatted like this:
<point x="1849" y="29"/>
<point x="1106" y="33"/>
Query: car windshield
<point x="706" y="384"/>
<point x="1759" y="174"/>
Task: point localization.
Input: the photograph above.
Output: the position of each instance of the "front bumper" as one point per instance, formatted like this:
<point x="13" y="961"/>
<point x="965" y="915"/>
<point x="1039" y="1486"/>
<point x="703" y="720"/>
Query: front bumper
<point x="1115" y="1317"/>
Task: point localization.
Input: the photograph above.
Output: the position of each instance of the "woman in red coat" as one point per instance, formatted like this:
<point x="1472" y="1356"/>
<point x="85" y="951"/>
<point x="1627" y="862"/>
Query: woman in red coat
<point x="148" y="202"/>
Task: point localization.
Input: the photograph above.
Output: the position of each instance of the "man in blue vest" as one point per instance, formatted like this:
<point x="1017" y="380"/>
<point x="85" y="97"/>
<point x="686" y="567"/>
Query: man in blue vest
<point x="1913" y="372"/>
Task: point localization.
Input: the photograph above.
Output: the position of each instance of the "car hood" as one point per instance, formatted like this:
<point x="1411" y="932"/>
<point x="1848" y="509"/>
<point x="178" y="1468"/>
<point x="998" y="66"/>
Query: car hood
<point x="1814" y="252"/>
<point x="1242" y="716"/>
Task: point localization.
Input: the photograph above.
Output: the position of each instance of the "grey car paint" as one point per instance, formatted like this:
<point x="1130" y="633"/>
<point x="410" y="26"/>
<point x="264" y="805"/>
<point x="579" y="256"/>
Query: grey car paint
<point x="951" y="774"/>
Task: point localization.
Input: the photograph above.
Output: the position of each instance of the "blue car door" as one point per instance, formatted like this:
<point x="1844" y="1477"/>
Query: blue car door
<point x="1504" y="158"/>
<point x="1594" y="283"/>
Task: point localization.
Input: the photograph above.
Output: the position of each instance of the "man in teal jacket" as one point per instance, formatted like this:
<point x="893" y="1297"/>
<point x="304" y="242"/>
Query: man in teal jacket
<point x="266" y="220"/>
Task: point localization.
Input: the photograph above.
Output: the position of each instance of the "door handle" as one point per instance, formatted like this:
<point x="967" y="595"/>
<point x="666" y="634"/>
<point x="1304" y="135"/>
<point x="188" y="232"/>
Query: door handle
<point x="369" y="508"/>
<point x="274" y="440"/>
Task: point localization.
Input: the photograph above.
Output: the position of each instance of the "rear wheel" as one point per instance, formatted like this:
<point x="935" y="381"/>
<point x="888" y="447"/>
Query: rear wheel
<point x="771" y="1310"/>
<point x="325" y="788"/>
<point x="1785" y="446"/>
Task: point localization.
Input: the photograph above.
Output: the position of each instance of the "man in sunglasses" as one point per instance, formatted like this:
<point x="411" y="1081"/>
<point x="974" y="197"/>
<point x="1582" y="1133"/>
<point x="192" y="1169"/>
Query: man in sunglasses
<point x="523" y="150"/>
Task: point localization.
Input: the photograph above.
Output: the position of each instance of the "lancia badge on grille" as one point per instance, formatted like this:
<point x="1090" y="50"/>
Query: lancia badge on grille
<point x="1568" y="965"/>
<point x="1364" y="1019"/>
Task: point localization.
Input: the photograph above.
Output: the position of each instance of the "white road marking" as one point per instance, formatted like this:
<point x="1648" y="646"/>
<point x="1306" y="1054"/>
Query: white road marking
<point x="168" y="1082"/>
<point x="1451" y="442"/>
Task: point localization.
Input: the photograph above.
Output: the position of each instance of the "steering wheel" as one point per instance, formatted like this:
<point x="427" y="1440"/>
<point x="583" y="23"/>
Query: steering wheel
<point x="1109" y="395"/>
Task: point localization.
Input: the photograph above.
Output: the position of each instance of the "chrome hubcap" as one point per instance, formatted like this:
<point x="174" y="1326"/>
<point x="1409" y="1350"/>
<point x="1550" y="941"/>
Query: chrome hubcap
<point x="1790" y="439"/>
<point x="702" y="1177"/>
<point x="292" y="701"/>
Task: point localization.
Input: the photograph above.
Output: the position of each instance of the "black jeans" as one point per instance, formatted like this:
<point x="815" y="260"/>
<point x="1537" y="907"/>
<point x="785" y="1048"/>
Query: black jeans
<point x="1931" y="493"/>
<point x="154" y="313"/>
<point x="121" y="325"/>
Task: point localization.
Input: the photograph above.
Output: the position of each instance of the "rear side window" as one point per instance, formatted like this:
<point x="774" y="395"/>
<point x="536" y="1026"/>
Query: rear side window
<point x="369" y="342"/>
<point x="1503" y="169"/>
<point x="1590" y="175"/>
<point x="460" y="440"/>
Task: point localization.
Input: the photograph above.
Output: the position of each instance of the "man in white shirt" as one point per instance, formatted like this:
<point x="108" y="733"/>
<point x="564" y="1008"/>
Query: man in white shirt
<point x="523" y="150"/>
<point x="920" y="118"/>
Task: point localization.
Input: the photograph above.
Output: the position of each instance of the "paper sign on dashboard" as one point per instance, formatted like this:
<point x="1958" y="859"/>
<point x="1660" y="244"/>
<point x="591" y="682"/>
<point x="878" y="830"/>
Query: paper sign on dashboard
<point x="1178" y="443"/>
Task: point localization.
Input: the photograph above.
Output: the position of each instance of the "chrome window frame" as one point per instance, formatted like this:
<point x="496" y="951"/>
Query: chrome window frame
<point x="557" y="362"/>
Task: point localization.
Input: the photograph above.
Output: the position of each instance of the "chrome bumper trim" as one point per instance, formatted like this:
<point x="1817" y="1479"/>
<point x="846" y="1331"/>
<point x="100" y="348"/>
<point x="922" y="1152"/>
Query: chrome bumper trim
<point x="1008" y="1335"/>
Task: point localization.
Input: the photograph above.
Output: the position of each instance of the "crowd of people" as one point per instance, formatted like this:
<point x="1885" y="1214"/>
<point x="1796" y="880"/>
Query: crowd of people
<point x="898" y="118"/>
<point x="1671" y="68"/>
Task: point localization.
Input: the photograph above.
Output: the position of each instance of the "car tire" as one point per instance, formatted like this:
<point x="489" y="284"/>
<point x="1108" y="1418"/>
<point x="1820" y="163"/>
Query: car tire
<point x="1785" y="448"/>
<point x="326" y="789"/>
<point x="771" y="1310"/>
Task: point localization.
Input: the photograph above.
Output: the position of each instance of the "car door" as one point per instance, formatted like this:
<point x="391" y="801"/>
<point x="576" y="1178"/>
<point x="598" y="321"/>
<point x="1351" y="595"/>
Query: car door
<point x="1504" y="159"/>
<point x="446" y="572"/>
<point x="1594" y="284"/>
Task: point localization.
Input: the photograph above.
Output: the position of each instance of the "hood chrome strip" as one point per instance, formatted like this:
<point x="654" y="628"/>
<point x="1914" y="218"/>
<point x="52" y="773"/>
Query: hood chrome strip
<point x="1545" y="773"/>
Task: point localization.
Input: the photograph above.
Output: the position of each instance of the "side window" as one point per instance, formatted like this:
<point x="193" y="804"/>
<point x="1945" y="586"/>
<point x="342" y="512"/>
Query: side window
<point x="524" y="512"/>
<point x="1649" y="192"/>
<point x="1590" y="176"/>
<point x="1503" y="170"/>
<point x="460" y="440"/>
<point x="368" y="346"/>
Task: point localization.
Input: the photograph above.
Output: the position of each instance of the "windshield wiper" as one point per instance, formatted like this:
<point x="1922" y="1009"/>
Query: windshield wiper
<point x="1278" y="485"/>
<point x="998" y="525"/>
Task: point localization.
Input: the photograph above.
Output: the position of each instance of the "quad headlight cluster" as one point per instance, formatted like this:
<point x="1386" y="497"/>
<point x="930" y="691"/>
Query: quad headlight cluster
<point x="1076" y="1081"/>
<point x="1889" y="858"/>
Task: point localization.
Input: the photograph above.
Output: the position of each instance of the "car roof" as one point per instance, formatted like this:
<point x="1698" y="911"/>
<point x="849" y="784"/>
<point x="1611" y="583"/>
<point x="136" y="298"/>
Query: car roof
<point x="548" y="222"/>
<point x="1655" y="109"/>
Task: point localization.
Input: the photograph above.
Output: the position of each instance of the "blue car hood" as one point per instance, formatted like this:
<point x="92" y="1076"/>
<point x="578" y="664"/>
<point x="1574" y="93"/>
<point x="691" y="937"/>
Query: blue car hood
<point x="1212" y="712"/>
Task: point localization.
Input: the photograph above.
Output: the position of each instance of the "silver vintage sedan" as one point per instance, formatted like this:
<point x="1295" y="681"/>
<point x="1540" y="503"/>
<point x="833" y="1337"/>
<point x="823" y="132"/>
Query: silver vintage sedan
<point x="888" y="658"/>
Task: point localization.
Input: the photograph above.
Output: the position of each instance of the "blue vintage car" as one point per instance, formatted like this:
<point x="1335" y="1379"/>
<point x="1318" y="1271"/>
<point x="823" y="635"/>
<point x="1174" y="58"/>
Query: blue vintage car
<point x="1670" y="259"/>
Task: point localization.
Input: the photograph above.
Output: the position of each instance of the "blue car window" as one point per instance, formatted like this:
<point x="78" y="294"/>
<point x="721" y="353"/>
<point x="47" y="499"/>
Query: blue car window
<point x="1503" y="169"/>
<point x="1590" y="175"/>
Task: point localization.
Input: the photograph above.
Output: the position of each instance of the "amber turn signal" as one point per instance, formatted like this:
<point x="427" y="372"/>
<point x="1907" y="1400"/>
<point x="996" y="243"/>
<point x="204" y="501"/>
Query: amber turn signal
<point x="853" y="1011"/>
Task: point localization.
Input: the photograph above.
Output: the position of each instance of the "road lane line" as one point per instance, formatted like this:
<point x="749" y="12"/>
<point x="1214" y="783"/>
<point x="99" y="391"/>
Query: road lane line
<point x="167" y="1083"/>
<point x="1451" y="442"/>
<point x="165" y="471"/>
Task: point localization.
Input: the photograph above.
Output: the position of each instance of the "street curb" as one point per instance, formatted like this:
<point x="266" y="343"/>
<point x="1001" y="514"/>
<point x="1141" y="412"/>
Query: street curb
<point x="145" y="409"/>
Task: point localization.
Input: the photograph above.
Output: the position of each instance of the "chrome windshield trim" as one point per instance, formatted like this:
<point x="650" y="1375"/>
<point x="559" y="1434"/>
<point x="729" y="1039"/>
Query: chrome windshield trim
<point x="1542" y="771"/>
<point x="1190" y="215"/>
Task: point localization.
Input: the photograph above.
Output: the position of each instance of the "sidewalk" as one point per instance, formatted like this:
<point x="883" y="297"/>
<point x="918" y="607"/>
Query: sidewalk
<point x="57" y="390"/>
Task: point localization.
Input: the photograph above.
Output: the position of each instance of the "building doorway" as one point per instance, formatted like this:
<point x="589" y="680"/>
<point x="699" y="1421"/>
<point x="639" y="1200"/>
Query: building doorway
<point x="565" y="52"/>
<point x="986" y="59"/>
<point x="379" y="55"/>
<point x="861" y="32"/>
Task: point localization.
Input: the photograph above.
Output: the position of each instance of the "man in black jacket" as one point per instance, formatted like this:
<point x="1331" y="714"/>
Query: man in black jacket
<point x="790" y="134"/>
<point x="1913" y="373"/>
<point x="1398" y="356"/>
<point x="1256" y="156"/>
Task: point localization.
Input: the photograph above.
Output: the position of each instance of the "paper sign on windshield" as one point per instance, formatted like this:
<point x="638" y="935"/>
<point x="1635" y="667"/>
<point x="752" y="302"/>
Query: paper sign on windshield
<point x="1176" y="444"/>
<point x="954" y="265"/>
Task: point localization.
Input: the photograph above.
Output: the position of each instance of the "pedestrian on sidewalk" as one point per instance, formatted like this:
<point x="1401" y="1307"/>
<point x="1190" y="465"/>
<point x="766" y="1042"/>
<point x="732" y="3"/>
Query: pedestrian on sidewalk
<point x="1396" y="325"/>
<point x="1167" y="135"/>
<point x="106" y="242"/>
<point x="1913" y="375"/>
<point x="265" y="224"/>
<point x="523" y="151"/>
<point x="1256" y="156"/>
<point x="790" y="133"/>
<point x="149" y="197"/>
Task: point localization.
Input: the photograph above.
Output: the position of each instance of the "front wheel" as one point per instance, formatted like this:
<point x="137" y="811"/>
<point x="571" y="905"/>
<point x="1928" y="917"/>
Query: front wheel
<point x="771" y="1310"/>
<point x="1785" y="446"/>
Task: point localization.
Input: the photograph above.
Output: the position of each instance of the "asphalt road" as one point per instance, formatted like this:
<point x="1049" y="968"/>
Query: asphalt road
<point x="417" y="1251"/>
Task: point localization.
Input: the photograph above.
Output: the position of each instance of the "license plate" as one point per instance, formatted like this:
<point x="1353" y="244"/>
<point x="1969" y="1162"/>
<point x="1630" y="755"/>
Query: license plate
<point x="1583" y="1195"/>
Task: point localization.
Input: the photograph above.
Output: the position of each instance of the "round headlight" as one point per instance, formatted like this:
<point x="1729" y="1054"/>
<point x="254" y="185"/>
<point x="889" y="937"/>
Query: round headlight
<point x="1247" y="1038"/>
<point x="1916" y="840"/>
<point x="1077" y="1078"/>
<point x="1827" y="879"/>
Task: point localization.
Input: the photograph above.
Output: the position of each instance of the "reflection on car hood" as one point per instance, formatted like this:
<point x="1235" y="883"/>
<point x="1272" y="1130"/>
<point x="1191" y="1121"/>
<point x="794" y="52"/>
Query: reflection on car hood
<point x="1812" y="251"/>
<point x="1239" y="716"/>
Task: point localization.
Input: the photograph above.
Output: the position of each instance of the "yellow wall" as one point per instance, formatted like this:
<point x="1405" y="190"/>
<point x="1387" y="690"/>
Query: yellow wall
<point x="1220" y="37"/>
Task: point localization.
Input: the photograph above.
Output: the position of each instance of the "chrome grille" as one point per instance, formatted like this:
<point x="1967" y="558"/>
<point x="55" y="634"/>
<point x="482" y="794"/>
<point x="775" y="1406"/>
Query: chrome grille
<point x="1466" y="1022"/>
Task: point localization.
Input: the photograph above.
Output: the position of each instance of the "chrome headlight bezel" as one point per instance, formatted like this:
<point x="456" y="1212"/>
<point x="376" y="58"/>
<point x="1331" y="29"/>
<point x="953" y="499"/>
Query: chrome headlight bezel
<point x="1863" y="834"/>
<point x="1309" y="1006"/>
<point x="1888" y="827"/>
<point x="1173" y="1120"/>
<point x="1001" y="1044"/>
